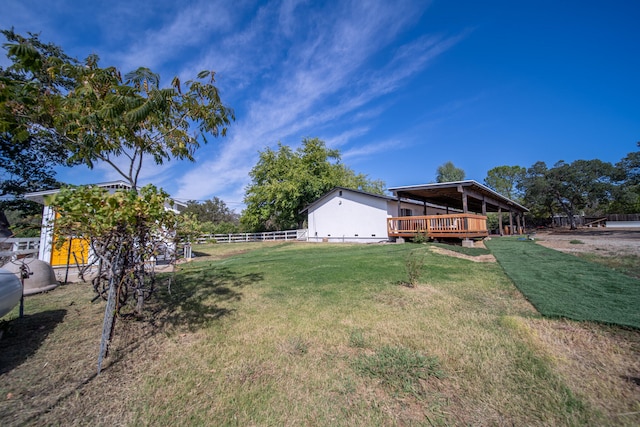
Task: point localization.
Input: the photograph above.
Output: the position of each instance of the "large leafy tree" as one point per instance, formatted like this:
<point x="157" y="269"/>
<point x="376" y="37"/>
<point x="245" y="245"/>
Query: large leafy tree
<point x="213" y="216"/>
<point x="537" y="193"/>
<point x="448" y="172"/>
<point x="284" y="181"/>
<point x="30" y="146"/>
<point x="103" y="117"/>
<point x="584" y="185"/>
<point x="505" y="180"/>
<point x="628" y="194"/>
<point x="214" y="210"/>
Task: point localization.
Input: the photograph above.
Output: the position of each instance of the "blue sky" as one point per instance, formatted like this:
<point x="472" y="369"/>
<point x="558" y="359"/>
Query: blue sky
<point x="399" y="87"/>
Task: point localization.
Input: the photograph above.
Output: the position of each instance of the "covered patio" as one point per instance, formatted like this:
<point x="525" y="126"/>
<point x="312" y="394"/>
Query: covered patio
<point x="467" y="204"/>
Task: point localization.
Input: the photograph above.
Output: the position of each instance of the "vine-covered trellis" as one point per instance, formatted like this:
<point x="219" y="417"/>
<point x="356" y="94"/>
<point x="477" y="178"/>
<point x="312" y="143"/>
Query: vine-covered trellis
<point x="127" y="230"/>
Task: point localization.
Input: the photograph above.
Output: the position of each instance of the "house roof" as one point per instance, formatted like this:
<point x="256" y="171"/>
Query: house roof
<point x="450" y="194"/>
<point x="39" y="196"/>
<point x="379" y="196"/>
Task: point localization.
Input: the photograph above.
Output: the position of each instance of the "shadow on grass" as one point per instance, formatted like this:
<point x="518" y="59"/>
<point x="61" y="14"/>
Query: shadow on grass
<point x="200" y="294"/>
<point x="21" y="338"/>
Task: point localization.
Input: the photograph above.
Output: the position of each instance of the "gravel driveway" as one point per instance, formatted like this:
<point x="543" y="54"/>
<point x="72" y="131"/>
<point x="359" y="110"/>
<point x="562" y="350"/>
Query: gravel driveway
<point x="608" y="242"/>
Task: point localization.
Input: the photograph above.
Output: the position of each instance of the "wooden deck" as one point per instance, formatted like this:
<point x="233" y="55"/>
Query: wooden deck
<point x="460" y="226"/>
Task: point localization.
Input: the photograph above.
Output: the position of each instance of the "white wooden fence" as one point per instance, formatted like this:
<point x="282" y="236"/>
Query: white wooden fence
<point x="287" y="235"/>
<point x="19" y="246"/>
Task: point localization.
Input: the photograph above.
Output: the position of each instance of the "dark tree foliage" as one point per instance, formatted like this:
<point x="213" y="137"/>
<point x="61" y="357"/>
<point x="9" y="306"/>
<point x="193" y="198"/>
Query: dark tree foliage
<point x="584" y="186"/>
<point x="30" y="146"/>
<point x="213" y="216"/>
<point x="213" y="210"/>
<point x="506" y="180"/>
<point x="627" y="196"/>
<point x="284" y="181"/>
<point x="448" y="172"/>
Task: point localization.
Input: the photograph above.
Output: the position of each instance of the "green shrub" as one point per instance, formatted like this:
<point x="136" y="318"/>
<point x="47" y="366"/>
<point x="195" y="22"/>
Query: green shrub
<point x="414" y="264"/>
<point x="420" y="238"/>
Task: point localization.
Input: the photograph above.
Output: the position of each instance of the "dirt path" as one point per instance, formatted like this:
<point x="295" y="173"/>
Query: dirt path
<point x="601" y="241"/>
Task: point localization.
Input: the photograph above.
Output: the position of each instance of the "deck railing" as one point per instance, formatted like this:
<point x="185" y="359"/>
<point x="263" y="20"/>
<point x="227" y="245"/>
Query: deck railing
<point x="19" y="247"/>
<point x="439" y="226"/>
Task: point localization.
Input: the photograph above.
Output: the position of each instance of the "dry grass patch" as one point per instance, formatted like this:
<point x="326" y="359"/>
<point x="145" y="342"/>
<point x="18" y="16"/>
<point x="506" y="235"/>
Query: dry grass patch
<point x="48" y="362"/>
<point x="600" y="362"/>
<point x="273" y="336"/>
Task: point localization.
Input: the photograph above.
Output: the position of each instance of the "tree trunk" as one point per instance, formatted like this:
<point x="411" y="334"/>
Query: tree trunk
<point x="4" y="225"/>
<point x="568" y="209"/>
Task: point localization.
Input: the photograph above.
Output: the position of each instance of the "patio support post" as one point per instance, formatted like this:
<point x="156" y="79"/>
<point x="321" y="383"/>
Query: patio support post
<point x="465" y="207"/>
<point x="484" y="207"/>
<point x="500" y="220"/>
<point x="518" y="229"/>
<point x="510" y="222"/>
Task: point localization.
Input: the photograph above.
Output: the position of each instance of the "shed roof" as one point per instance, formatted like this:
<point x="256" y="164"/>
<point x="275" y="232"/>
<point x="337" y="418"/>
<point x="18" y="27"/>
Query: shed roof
<point x="39" y="196"/>
<point x="450" y="194"/>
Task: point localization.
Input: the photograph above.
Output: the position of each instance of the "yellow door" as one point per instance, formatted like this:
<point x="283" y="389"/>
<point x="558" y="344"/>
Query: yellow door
<point x="74" y="251"/>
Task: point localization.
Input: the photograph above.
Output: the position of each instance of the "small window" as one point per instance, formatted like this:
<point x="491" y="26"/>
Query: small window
<point x="340" y="193"/>
<point x="406" y="212"/>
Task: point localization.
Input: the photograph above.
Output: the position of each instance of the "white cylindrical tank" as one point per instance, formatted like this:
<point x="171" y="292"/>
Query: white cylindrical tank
<point x="10" y="291"/>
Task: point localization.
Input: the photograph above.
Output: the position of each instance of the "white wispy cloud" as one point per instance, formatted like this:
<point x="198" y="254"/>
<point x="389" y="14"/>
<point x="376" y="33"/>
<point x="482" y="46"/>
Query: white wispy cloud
<point x="369" y="149"/>
<point x="324" y="80"/>
<point x="290" y="68"/>
<point x="188" y="27"/>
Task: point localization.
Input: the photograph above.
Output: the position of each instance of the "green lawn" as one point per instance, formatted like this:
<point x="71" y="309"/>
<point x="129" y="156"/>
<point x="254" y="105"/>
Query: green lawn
<point x="325" y="335"/>
<point x="563" y="285"/>
<point x="302" y="334"/>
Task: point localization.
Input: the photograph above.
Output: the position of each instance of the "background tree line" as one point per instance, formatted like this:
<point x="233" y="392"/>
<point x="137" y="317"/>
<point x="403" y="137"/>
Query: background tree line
<point x="584" y="187"/>
<point x="284" y="181"/>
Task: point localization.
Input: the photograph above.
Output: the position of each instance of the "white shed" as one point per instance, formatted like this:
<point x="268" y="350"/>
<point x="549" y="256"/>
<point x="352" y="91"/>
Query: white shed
<point x="74" y="251"/>
<point x="345" y="215"/>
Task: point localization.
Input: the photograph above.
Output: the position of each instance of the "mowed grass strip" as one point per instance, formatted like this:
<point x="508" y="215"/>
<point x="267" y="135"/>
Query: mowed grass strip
<point x="562" y="285"/>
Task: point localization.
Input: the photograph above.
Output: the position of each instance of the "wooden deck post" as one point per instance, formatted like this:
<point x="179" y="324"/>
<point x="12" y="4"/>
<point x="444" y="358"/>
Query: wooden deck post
<point x="510" y="223"/>
<point x="500" y="221"/>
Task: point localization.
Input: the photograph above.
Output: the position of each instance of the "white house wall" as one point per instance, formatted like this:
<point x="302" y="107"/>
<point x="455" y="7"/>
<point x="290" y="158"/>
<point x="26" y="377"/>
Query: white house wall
<point x="350" y="217"/>
<point x="46" y="234"/>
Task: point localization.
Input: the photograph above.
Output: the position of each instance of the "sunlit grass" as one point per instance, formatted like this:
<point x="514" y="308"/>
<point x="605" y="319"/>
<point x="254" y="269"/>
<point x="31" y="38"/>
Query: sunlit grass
<point x="293" y="347"/>
<point x="311" y="334"/>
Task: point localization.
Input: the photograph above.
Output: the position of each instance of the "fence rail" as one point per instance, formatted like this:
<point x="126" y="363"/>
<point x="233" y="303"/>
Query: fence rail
<point x="19" y="246"/>
<point x="287" y="235"/>
<point x="623" y="217"/>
